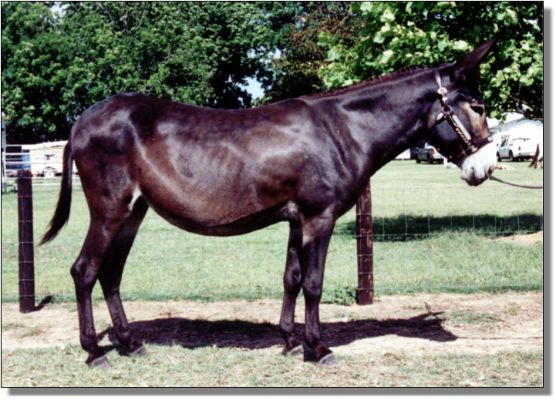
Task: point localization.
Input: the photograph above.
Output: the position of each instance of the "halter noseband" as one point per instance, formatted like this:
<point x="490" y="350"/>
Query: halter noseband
<point x="472" y="145"/>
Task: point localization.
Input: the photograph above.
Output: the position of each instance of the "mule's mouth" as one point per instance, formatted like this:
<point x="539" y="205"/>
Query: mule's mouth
<point x="480" y="165"/>
<point x="475" y="179"/>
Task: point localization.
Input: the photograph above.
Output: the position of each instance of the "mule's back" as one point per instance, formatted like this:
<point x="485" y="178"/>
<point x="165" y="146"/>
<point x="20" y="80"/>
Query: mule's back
<point x="205" y="170"/>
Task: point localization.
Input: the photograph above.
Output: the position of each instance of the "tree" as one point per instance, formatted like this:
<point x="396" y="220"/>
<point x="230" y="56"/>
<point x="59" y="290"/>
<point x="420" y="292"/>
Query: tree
<point x="398" y="35"/>
<point x="297" y="67"/>
<point x="54" y="67"/>
<point x="32" y="54"/>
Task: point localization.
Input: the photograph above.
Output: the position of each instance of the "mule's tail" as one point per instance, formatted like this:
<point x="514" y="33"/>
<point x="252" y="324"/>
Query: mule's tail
<point x="61" y="215"/>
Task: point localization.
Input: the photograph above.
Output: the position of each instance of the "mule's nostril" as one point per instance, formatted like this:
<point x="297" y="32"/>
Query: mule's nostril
<point x="491" y="169"/>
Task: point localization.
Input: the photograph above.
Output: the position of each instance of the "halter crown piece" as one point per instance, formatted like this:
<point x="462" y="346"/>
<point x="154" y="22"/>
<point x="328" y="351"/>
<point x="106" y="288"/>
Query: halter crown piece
<point x="472" y="145"/>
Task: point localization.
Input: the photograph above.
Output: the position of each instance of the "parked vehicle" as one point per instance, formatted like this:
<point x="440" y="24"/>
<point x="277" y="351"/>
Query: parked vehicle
<point x="429" y="154"/>
<point x="413" y="152"/>
<point x="516" y="149"/>
<point x="517" y="140"/>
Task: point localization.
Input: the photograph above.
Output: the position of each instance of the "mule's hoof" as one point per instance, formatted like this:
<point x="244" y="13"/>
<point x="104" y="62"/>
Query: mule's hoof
<point x="100" y="362"/>
<point x="328" y="359"/>
<point x="139" y="352"/>
<point x="296" y="351"/>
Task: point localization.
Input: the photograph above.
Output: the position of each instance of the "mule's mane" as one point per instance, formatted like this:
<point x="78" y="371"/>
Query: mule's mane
<point x="368" y="82"/>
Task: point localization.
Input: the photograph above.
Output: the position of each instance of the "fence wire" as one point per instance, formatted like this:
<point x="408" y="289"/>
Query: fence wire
<point x="420" y="216"/>
<point x="402" y="213"/>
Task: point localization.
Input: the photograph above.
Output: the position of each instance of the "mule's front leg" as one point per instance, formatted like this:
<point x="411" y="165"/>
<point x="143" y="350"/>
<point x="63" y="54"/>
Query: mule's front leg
<point x="316" y="238"/>
<point x="292" y="286"/>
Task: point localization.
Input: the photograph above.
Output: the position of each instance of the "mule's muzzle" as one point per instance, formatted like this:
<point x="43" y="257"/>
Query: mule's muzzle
<point x="477" y="167"/>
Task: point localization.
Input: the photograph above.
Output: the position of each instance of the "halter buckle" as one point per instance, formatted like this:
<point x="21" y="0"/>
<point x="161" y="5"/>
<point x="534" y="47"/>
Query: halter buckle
<point x="442" y="92"/>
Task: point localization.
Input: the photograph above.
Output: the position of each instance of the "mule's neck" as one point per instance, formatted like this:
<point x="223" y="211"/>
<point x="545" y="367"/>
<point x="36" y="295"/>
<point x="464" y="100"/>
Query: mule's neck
<point x="390" y="116"/>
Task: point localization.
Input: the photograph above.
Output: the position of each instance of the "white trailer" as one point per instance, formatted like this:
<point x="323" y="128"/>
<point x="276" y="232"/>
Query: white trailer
<point x="45" y="159"/>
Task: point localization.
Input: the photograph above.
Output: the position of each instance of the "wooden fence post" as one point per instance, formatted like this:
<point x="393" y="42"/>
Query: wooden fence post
<point x="26" y="251"/>
<point x="364" y="235"/>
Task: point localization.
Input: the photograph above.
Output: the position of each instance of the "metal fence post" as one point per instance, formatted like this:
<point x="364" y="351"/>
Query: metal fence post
<point x="26" y="251"/>
<point x="364" y="235"/>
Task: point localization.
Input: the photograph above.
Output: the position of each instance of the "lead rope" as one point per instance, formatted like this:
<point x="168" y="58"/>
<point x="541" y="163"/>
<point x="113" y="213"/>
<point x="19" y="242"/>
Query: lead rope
<point x="515" y="184"/>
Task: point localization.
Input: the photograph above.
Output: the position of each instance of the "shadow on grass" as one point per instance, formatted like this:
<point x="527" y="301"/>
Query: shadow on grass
<point x="256" y="335"/>
<point x="410" y="227"/>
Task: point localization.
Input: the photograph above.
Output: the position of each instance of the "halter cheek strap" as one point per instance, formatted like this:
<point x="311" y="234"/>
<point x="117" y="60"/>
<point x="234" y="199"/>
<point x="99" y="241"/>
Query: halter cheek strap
<point x="472" y="145"/>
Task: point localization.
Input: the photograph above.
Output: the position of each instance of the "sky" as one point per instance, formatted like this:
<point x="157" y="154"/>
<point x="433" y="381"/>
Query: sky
<point x="254" y="88"/>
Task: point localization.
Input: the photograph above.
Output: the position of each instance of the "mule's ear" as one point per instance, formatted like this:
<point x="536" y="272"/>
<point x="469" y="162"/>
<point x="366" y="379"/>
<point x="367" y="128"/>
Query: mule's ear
<point x="471" y="61"/>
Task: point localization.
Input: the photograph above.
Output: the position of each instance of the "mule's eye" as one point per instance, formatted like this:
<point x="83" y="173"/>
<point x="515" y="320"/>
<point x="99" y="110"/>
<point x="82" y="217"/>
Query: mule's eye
<point x="478" y="108"/>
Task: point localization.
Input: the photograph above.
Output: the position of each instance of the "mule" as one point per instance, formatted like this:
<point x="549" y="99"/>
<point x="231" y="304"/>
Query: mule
<point x="228" y="172"/>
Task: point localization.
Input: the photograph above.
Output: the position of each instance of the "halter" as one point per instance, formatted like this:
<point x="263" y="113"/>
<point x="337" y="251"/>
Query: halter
<point x="472" y="145"/>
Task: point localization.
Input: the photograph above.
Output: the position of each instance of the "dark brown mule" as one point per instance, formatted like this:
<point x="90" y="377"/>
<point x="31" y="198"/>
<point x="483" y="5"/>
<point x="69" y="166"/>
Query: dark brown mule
<point x="223" y="172"/>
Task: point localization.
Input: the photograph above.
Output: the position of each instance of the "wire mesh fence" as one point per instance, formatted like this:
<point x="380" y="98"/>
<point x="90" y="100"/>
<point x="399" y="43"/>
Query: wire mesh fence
<point x="168" y="264"/>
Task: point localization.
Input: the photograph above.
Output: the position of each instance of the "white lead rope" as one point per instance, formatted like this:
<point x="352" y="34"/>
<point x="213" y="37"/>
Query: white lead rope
<point x="515" y="184"/>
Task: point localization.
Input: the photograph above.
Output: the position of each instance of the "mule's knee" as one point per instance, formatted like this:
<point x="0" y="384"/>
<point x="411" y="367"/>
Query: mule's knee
<point x="292" y="280"/>
<point x="312" y="291"/>
<point x="83" y="276"/>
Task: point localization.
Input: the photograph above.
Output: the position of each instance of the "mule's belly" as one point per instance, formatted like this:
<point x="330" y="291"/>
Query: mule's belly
<point x="214" y="204"/>
<point x="222" y="225"/>
<point x="217" y="194"/>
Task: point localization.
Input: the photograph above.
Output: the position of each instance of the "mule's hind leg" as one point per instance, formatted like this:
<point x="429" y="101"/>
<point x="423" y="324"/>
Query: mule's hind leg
<point x="110" y="277"/>
<point x="85" y="272"/>
<point x="316" y="238"/>
<point x="292" y="285"/>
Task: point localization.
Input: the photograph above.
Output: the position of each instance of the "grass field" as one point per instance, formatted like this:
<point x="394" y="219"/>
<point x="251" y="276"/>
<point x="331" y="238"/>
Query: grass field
<point x="433" y="233"/>
<point x="233" y="368"/>
<point x="434" y="236"/>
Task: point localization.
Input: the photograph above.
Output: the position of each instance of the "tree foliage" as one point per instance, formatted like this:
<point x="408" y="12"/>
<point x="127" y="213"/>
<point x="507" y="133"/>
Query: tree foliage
<point x="397" y="35"/>
<point x="57" y="63"/>
<point x="297" y="67"/>
<point x="55" y="66"/>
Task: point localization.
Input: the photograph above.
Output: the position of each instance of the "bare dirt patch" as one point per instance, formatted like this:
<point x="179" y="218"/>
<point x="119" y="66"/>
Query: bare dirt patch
<point x="525" y="240"/>
<point x="424" y="323"/>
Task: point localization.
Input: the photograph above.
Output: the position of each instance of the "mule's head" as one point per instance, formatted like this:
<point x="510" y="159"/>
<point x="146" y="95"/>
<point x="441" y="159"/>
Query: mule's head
<point x="458" y="118"/>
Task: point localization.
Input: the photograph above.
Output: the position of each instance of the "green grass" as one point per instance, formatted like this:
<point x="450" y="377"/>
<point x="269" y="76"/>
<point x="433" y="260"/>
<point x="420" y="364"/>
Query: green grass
<point x="174" y="366"/>
<point x="433" y="234"/>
